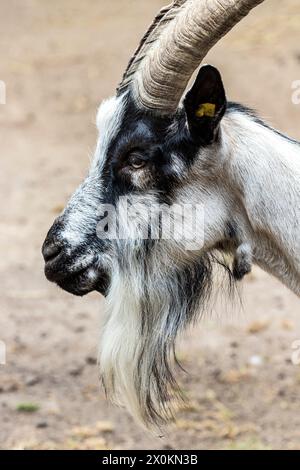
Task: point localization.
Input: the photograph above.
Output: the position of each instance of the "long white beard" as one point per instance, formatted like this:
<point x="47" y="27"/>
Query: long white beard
<point x="146" y="308"/>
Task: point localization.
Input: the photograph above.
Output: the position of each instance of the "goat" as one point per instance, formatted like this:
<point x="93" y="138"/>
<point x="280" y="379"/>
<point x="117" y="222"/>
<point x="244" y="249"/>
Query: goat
<point x="155" y="150"/>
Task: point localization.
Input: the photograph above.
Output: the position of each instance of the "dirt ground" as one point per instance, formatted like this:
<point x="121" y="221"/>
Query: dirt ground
<point x="59" y="59"/>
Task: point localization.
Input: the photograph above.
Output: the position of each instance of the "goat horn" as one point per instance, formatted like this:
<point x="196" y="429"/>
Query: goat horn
<point x="162" y="76"/>
<point x="165" y="15"/>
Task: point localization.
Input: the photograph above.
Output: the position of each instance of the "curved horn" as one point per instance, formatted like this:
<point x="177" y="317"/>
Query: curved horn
<point x="163" y="75"/>
<point x="165" y="15"/>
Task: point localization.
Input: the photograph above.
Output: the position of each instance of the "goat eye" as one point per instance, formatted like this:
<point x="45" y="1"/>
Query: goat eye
<point x="136" y="161"/>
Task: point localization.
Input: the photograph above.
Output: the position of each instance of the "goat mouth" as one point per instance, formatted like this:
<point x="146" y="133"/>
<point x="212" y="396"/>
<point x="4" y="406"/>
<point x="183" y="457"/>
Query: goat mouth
<point x="84" y="281"/>
<point x="60" y="267"/>
<point x="79" y="283"/>
<point x="79" y="277"/>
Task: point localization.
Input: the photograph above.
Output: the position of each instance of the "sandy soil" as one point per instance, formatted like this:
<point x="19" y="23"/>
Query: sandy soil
<point x="59" y="59"/>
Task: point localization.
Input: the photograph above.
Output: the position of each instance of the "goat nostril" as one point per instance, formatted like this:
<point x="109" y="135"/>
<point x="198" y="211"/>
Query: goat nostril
<point x="51" y="251"/>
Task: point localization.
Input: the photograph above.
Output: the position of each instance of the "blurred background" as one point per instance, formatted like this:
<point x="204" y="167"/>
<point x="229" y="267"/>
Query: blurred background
<point x="59" y="59"/>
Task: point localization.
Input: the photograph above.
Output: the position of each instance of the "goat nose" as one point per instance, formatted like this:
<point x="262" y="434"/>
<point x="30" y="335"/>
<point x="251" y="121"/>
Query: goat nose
<point x="50" y="250"/>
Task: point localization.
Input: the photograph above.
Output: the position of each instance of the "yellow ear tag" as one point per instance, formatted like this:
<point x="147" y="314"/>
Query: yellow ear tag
<point x="206" y="109"/>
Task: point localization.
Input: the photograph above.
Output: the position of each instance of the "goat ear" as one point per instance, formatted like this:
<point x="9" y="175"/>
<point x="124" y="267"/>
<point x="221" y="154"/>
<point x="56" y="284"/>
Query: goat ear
<point x="205" y="105"/>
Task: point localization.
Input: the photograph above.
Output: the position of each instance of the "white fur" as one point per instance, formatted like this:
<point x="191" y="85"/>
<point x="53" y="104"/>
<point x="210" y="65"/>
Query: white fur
<point x="263" y="168"/>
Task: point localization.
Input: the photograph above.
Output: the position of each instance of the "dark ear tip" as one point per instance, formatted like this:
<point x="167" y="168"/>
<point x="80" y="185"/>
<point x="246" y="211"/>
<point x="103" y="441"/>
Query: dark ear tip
<point x="209" y="71"/>
<point x="208" y="67"/>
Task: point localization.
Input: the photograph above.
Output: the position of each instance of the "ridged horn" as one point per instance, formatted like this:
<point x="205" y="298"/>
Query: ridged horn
<point x="162" y="68"/>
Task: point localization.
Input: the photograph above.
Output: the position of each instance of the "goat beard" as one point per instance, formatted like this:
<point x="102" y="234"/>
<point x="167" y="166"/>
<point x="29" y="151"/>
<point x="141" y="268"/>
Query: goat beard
<point x="146" y="309"/>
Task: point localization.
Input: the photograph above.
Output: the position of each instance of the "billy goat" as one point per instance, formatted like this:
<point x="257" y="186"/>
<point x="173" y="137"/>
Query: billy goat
<point x="154" y="152"/>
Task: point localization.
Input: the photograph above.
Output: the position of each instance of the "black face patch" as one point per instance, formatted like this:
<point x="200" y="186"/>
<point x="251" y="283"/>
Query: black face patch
<point x="147" y="154"/>
<point x="152" y="152"/>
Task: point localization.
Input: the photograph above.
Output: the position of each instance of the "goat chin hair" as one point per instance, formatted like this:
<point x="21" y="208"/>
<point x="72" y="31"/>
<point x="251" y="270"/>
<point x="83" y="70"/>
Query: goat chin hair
<point x="147" y="307"/>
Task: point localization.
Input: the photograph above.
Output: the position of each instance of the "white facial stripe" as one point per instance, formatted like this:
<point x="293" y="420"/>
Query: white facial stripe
<point x="81" y="211"/>
<point x="109" y="118"/>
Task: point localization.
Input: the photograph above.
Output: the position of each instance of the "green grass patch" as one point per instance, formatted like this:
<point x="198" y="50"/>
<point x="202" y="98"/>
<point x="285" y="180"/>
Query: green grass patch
<point x="27" y="407"/>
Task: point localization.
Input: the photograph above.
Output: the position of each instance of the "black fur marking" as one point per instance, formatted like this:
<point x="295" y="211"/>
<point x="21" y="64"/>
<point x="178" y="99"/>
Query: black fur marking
<point x="157" y="140"/>
<point x="240" y="269"/>
<point x="231" y="230"/>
